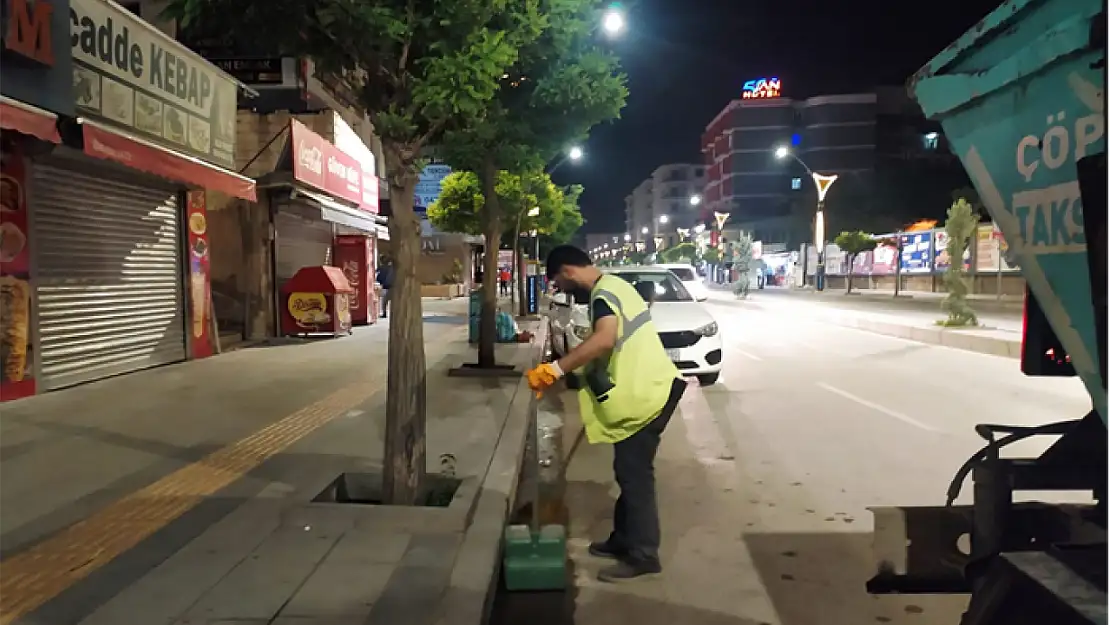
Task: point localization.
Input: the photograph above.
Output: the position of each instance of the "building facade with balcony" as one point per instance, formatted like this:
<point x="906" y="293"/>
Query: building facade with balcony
<point x="639" y="213"/>
<point x="661" y="205"/>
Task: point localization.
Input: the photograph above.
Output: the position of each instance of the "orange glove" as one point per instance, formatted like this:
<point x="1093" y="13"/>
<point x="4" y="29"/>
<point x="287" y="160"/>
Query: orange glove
<point x="543" y="376"/>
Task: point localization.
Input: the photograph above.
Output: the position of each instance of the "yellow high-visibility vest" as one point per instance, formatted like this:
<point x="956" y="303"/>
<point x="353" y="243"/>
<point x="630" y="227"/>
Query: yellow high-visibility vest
<point x="638" y="367"/>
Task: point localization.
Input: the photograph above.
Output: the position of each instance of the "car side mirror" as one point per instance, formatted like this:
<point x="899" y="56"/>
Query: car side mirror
<point x="702" y="298"/>
<point x="560" y="299"/>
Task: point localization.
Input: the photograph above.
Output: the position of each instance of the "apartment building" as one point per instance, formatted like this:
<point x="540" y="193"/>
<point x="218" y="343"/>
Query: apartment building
<point x="665" y="203"/>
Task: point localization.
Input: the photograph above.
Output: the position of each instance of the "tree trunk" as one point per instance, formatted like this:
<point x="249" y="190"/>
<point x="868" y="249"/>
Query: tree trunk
<point x="406" y="387"/>
<point x="851" y="266"/>
<point x="491" y="216"/>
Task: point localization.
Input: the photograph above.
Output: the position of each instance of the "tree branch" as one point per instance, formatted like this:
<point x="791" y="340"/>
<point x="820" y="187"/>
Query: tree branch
<point x="432" y="130"/>
<point x="410" y="16"/>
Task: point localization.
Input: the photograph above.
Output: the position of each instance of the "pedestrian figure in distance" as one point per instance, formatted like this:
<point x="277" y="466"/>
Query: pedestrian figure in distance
<point x="385" y="280"/>
<point x="629" y="389"/>
<point x="504" y="278"/>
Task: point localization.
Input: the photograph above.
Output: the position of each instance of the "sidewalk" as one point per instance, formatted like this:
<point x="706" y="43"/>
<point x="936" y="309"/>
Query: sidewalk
<point x="912" y="318"/>
<point x="183" y="495"/>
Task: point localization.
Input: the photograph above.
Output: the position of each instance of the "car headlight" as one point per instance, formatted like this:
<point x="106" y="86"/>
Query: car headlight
<point x="709" y="329"/>
<point x="582" y="332"/>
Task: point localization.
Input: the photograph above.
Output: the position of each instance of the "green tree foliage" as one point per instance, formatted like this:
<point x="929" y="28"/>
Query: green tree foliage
<point x="679" y="253"/>
<point x="853" y="244"/>
<point x="712" y="256"/>
<point x="560" y="86"/>
<point x="417" y="69"/>
<point x="960" y="227"/>
<point x="636" y="257"/>
<point x="461" y="203"/>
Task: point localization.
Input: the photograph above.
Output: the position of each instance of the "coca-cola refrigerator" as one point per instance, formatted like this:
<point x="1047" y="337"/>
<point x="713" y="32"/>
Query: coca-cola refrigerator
<point x="354" y="254"/>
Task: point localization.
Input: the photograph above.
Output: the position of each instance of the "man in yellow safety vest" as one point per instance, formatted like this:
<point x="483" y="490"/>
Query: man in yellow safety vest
<point x="629" y="390"/>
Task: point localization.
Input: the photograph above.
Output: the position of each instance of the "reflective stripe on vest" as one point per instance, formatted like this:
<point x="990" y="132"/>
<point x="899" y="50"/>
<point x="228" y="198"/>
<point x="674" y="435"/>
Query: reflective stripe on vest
<point x="628" y="326"/>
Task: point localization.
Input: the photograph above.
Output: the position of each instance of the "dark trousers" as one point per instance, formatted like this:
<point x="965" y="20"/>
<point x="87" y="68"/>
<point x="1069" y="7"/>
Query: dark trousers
<point x="636" y="518"/>
<point x="385" y="302"/>
<point x="504" y="287"/>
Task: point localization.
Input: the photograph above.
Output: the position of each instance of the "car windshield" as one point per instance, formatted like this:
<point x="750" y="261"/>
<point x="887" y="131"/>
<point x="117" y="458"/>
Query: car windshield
<point x="684" y="273"/>
<point x="667" y="288"/>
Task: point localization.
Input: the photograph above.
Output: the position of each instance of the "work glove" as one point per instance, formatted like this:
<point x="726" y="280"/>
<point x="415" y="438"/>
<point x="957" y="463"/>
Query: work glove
<point x="543" y="376"/>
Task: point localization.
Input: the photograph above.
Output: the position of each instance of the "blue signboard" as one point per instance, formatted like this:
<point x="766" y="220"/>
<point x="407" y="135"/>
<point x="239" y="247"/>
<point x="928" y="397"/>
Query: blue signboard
<point x="917" y="252"/>
<point x="428" y="187"/>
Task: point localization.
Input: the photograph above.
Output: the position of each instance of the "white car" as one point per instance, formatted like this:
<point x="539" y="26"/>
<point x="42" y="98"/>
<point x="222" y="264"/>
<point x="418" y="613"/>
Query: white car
<point x="688" y="331"/>
<point x="690" y="279"/>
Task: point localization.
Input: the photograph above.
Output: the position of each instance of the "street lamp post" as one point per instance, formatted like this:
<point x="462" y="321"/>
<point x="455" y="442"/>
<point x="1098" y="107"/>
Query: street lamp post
<point x="522" y="281"/>
<point x="822" y="182"/>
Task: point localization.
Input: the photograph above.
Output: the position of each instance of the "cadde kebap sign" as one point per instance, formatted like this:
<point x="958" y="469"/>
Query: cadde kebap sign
<point x="429" y="186"/>
<point x="128" y="73"/>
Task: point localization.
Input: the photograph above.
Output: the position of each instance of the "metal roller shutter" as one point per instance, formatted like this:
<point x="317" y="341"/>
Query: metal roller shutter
<point x="301" y="242"/>
<point x="108" y="276"/>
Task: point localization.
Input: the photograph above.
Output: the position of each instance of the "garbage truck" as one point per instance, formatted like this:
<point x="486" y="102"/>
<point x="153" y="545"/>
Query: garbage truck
<point x="1021" y="100"/>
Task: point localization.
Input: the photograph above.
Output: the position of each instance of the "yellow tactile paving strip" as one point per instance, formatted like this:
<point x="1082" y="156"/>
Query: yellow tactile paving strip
<point x="31" y="578"/>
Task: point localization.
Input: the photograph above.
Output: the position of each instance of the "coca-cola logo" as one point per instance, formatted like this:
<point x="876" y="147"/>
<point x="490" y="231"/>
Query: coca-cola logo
<point x="311" y="158"/>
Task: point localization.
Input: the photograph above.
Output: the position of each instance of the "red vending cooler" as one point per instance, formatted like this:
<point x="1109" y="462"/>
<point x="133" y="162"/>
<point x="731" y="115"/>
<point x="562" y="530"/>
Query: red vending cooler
<point x="354" y="254"/>
<point x="316" y="302"/>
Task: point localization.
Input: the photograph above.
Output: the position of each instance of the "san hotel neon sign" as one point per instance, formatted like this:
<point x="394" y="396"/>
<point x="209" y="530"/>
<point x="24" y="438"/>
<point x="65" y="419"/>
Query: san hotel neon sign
<point x="761" y="88"/>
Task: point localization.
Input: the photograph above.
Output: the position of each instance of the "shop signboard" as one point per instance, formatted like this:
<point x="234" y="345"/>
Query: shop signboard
<point x="129" y="74"/>
<point x="429" y="185"/>
<point x="16" y="347"/>
<point x="35" y="54"/>
<point x="917" y="249"/>
<point x="319" y="164"/>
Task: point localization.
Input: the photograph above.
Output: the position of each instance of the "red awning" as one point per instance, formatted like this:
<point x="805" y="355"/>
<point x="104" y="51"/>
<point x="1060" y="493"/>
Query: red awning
<point x="114" y="145"/>
<point x="29" y="120"/>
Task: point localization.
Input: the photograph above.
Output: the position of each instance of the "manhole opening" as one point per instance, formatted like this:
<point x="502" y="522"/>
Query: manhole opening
<point x="366" y="489"/>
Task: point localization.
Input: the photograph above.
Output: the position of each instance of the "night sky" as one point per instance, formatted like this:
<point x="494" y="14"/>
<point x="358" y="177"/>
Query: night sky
<point x="686" y="59"/>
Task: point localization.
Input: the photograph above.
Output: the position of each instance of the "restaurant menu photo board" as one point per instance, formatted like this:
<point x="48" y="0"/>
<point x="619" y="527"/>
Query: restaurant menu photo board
<point x="940" y="252"/>
<point x="131" y="75"/>
<point x="991" y="251"/>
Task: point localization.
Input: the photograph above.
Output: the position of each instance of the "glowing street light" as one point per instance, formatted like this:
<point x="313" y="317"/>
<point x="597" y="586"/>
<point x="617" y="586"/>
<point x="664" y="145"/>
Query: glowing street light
<point x="574" y="153"/>
<point x="782" y="152"/>
<point x="627" y="237"/>
<point x="695" y="200"/>
<point x="663" y="219"/>
<point x="644" y="230"/>
<point x="612" y="22"/>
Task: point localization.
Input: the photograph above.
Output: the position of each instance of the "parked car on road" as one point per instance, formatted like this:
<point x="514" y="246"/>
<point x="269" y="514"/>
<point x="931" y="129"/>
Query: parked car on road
<point x="688" y="331"/>
<point x="690" y="279"/>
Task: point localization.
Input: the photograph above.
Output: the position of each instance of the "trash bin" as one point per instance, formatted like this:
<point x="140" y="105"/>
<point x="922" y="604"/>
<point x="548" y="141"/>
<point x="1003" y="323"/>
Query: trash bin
<point x="474" y="316"/>
<point x="1020" y="98"/>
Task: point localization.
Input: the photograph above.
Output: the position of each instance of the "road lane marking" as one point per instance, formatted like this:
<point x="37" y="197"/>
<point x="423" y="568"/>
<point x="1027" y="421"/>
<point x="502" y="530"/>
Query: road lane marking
<point x="33" y="577"/>
<point x="877" y="408"/>
<point x="746" y="354"/>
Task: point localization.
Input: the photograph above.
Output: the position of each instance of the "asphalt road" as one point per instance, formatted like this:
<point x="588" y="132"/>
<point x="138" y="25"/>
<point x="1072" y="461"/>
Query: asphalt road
<point x="765" y="478"/>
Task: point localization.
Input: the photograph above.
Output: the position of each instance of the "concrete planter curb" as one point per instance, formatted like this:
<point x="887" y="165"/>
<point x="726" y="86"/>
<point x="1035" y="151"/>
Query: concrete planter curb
<point x="964" y="339"/>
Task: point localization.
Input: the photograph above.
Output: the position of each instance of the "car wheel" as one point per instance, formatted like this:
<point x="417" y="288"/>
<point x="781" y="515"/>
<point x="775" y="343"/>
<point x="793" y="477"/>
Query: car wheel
<point x="708" y="379"/>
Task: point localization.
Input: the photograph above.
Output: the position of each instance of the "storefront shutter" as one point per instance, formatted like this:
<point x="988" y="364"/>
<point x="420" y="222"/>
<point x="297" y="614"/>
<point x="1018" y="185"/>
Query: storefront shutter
<point x="301" y="241"/>
<point x="107" y="274"/>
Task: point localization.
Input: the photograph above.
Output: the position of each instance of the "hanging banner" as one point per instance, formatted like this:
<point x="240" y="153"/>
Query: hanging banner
<point x="200" y="288"/>
<point x="16" y="297"/>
